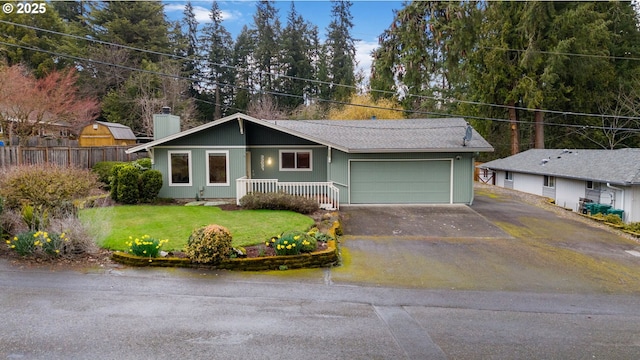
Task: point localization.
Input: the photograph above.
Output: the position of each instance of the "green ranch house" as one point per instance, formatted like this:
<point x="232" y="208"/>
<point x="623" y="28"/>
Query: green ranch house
<point x="411" y="161"/>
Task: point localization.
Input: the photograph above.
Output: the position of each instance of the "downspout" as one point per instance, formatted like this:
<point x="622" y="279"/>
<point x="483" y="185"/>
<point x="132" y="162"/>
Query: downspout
<point x="621" y="191"/>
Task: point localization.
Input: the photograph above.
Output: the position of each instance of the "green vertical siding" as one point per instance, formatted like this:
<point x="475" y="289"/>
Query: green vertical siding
<point x="272" y="171"/>
<point x="199" y="174"/>
<point x="261" y="135"/>
<point x="462" y="171"/>
<point x="226" y="134"/>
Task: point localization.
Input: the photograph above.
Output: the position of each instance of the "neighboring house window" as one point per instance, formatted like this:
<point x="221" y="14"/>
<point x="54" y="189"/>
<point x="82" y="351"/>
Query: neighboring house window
<point x="508" y="175"/>
<point x="589" y="185"/>
<point x="180" y="168"/>
<point x="549" y="181"/>
<point x="218" y="168"/>
<point x="295" y="160"/>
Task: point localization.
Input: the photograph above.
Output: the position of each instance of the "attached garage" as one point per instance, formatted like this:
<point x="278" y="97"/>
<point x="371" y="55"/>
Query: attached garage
<point x="401" y="182"/>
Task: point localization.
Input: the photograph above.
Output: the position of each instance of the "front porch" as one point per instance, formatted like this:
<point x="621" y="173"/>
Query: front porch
<point x="325" y="193"/>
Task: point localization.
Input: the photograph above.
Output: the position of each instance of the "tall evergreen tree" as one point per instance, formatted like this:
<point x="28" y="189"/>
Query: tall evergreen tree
<point x="267" y="44"/>
<point x="22" y="38"/>
<point x="218" y="46"/>
<point x="139" y="24"/>
<point x="341" y="50"/>
<point x="192" y="53"/>
<point x="244" y="68"/>
<point x="297" y="50"/>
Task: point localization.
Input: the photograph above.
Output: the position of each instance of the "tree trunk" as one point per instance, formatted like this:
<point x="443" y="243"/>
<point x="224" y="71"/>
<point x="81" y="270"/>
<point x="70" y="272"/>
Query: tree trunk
<point x="217" y="113"/>
<point x="539" y="130"/>
<point x="513" y="123"/>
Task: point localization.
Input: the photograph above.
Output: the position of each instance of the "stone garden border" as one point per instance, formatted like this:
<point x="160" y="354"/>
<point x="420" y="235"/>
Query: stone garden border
<point x="323" y="258"/>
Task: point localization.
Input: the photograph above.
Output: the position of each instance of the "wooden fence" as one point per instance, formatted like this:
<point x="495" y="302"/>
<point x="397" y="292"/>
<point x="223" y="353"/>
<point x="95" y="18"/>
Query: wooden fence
<point x="64" y="156"/>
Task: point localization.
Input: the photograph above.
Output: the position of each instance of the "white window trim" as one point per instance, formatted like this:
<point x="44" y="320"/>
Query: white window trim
<point x="189" y="157"/>
<point x="508" y="175"/>
<point x="296" y="151"/>
<point x="218" y="152"/>
<point x="593" y="185"/>
<point x="549" y="177"/>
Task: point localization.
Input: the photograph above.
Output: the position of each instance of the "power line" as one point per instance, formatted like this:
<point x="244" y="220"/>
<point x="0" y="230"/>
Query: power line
<point x="608" y="57"/>
<point x="386" y="92"/>
<point x="419" y="112"/>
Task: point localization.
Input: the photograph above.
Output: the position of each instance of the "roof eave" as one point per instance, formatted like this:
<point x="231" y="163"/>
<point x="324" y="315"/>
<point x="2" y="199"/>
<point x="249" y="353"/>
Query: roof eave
<point x="582" y="178"/>
<point x="421" y="150"/>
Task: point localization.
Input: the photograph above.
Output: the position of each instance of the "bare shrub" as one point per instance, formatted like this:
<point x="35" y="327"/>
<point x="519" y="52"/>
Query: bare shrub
<point x="279" y="201"/>
<point x="80" y="240"/>
<point x="50" y="186"/>
<point x="12" y="222"/>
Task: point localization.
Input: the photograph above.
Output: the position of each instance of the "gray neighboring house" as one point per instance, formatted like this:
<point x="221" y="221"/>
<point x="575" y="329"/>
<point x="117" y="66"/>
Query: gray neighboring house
<point x="610" y="177"/>
<point x="421" y="161"/>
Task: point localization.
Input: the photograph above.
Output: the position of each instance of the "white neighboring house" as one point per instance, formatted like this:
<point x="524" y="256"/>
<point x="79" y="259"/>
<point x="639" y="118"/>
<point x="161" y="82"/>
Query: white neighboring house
<point x="610" y="177"/>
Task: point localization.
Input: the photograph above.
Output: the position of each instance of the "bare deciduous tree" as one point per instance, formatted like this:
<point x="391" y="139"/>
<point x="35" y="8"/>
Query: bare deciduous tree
<point x="28" y="105"/>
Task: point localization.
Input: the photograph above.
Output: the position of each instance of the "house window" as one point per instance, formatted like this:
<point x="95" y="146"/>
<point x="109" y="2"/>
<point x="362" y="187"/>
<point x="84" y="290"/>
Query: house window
<point x="508" y="175"/>
<point x="295" y="160"/>
<point x="218" y="168"/>
<point x="180" y="168"/>
<point x="549" y="181"/>
<point x="589" y="185"/>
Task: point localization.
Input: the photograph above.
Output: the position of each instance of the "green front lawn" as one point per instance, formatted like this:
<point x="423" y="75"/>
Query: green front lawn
<point x="112" y="226"/>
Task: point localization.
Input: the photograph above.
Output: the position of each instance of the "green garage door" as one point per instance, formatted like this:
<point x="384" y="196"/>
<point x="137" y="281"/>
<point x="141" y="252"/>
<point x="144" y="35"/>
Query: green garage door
<point x="400" y="182"/>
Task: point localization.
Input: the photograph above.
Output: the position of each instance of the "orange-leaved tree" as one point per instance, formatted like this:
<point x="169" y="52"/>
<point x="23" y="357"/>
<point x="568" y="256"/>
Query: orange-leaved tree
<point x="364" y="107"/>
<point x="29" y="105"/>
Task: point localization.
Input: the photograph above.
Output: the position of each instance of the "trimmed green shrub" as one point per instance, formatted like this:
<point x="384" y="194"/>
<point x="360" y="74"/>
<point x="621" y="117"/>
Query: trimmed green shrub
<point x="50" y="186"/>
<point x="143" y="164"/>
<point x="127" y="189"/>
<point x="150" y="185"/>
<point x="104" y="170"/>
<point x="279" y="201"/>
<point x="209" y="244"/>
<point x="145" y="188"/>
<point x="114" y="179"/>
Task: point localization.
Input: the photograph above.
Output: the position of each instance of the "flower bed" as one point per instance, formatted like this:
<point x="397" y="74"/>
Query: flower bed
<point x="323" y="258"/>
<point x="326" y="257"/>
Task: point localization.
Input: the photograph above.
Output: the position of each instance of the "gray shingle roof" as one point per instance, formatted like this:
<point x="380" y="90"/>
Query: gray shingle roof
<point x="119" y="131"/>
<point x="407" y="135"/>
<point x="389" y="135"/>
<point x="620" y="166"/>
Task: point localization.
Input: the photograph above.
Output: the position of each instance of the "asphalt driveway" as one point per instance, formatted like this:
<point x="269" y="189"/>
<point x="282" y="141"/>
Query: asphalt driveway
<point x="498" y="243"/>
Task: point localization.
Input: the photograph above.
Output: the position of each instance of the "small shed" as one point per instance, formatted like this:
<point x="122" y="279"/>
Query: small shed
<point x="103" y="133"/>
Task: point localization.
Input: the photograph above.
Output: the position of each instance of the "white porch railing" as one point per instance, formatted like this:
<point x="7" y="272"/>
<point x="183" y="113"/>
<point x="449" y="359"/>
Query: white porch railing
<point x="325" y="193"/>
